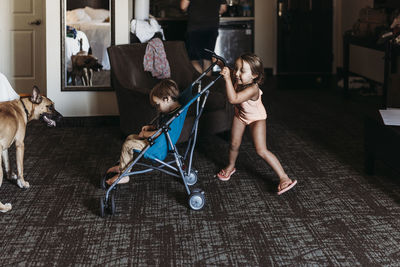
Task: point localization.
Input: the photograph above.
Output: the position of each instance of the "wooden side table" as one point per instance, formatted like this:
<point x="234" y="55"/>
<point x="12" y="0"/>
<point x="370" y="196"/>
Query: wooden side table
<point x="389" y="65"/>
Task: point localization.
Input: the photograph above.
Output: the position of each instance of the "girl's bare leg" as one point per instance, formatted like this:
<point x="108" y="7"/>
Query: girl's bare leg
<point x="237" y="131"/>
<point x="258" y="131"/>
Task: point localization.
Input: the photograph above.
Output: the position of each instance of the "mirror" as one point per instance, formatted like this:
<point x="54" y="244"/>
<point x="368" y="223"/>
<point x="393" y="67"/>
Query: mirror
<point x="87" y="30"/>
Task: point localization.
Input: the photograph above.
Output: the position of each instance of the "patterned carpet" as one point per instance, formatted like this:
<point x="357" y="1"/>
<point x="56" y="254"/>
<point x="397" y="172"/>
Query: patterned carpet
<point x="335" y="216"/>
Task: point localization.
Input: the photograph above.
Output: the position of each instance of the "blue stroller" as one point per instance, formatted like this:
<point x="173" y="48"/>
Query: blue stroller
<point x="163" y="143"/>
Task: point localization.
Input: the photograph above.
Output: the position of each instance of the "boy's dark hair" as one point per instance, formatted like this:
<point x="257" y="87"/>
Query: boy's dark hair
<point x="165" y="88"/>
<point x="256" y="66"/>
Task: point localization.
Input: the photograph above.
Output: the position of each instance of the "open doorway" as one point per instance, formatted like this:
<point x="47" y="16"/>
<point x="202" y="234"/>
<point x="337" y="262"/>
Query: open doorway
<point x="305" y="33"/>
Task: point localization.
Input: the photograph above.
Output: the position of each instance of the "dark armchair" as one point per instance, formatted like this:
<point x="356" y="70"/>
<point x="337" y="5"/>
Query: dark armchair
<point x="132" y="86"/>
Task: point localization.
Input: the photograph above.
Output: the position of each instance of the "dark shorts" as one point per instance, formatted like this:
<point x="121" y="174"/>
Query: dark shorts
<point x="197" y="40"/>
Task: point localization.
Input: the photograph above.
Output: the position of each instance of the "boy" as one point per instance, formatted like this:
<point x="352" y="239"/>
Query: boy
<point x="164" y="96"/>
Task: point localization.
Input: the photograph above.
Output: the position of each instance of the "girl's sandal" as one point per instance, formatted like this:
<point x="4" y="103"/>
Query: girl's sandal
<point x="225" y="175"/>
<point x="289" y="185"/>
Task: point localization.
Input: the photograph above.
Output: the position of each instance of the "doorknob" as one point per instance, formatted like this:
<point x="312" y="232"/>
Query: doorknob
<point x="36" y="22"/>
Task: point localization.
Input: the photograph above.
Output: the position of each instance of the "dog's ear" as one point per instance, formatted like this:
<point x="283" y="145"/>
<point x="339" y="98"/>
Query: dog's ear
<point x="36" y="97"/>
<point x="90" y="51"/>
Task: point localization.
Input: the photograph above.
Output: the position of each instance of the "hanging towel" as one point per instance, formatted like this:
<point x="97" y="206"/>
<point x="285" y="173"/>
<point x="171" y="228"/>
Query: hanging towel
<point x="155" y="59"/>
<point x="7" y="93"/>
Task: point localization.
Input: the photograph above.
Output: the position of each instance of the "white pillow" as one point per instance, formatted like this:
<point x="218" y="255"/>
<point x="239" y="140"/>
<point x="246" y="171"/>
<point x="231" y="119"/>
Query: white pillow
<point x="97" y="14"/>
<point x="77" y="15"/>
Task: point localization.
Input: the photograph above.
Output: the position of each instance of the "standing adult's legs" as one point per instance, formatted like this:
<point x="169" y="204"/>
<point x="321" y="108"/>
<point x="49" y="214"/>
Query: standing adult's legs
<point x="197" y="65"/>
<point x="206" y="65"/>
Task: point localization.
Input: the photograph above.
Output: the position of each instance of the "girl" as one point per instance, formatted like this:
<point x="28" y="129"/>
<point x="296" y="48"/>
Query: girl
<point x="245" y="94"/>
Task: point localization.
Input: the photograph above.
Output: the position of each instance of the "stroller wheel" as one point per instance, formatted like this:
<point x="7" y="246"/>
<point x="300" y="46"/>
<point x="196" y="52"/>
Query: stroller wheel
<point x="191" y="178"/>
<point x="111" y="204"/>
<point x="197" y="199"/>
<point x="102" y="207"/>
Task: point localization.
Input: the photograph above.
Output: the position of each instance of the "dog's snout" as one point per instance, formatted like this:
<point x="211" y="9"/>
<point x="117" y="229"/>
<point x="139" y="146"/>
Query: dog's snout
<point x="53" y="113"/>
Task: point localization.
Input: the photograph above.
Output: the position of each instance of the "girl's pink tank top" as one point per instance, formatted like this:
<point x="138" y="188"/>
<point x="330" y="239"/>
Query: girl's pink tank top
<point x="252" y="110"/>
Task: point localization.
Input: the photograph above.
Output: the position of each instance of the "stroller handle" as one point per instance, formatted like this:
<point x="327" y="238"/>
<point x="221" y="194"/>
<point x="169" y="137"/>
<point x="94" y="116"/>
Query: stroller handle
<point x="211" y="66"/>
<point x="216" y="56"/>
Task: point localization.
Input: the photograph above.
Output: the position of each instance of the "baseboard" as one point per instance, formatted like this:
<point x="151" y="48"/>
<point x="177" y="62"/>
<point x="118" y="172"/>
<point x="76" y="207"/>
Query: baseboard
<point x="92" y="121"/>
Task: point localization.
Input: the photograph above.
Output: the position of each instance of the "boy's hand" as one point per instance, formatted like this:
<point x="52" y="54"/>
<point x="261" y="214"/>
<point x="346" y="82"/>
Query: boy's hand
<point x="146" y="134"/>
<point x="141" y="135"/>
<point x="226" y="73"/>
<point x="147" y="128"/>
<point x="147" y="131"/>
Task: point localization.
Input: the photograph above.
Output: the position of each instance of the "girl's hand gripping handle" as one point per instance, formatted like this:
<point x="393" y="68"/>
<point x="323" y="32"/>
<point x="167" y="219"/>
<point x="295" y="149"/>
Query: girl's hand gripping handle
<point x="226" y="73"/>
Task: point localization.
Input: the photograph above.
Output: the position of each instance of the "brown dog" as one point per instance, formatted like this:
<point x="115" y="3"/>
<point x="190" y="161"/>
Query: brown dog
<point x="14" y="115"/>
<point x="83" y="65"/>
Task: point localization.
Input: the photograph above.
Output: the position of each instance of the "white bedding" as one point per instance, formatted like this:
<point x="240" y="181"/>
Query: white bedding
<point x="99" y="35"/>
<point x="7" y="93"/>
<point x="72" y="46"/>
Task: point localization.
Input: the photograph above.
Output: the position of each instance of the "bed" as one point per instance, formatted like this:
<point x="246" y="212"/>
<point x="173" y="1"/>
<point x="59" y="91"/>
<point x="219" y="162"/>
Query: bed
<point x="91" y="19"/>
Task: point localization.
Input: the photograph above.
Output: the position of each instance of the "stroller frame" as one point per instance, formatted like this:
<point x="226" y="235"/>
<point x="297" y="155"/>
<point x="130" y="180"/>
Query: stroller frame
<point x="187" y="173"/>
